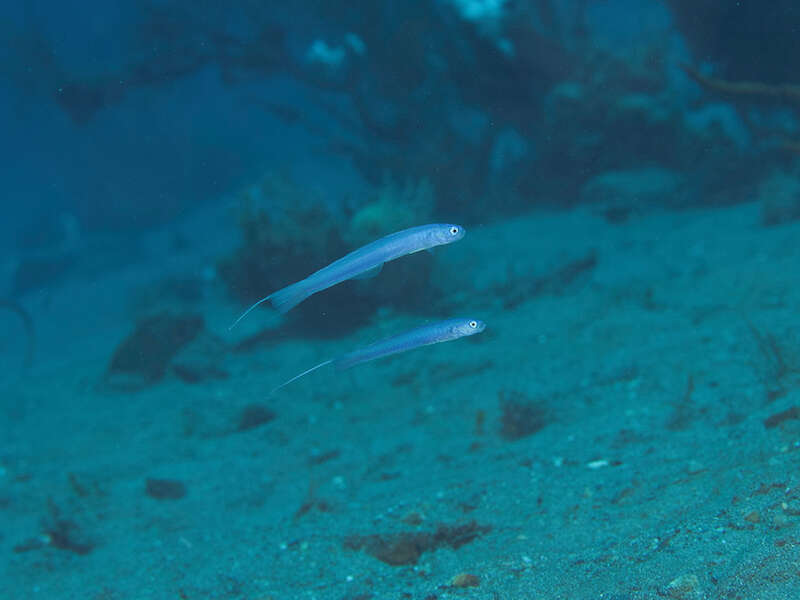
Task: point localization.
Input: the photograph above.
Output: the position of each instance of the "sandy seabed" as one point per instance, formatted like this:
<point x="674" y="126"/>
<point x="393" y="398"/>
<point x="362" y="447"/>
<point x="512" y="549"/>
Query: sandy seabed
<point x="627" y="427"/>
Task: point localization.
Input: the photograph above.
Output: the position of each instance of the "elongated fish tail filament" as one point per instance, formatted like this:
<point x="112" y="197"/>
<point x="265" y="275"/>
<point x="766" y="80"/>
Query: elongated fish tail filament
<point x="306" y="372"/>
<point x="283" y="300"/>
<point x="248" y="311"/>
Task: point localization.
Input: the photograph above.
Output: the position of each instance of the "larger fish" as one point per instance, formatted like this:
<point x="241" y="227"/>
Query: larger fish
<point x="434" y="333"/>
<point x="364" y="262"/>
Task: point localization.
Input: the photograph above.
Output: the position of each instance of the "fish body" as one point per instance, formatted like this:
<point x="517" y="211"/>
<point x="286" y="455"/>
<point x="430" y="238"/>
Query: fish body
<point x="365" y="261"/>
<point x="433" y="333"/>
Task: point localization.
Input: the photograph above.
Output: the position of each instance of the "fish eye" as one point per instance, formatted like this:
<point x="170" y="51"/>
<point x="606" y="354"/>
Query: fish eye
<point x="473" y="324"/>
<point x="453" y="230"/>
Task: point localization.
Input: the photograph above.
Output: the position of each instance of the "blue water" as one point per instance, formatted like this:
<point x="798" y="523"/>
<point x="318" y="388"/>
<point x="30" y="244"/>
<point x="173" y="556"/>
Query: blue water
<point x="626" y="427"/>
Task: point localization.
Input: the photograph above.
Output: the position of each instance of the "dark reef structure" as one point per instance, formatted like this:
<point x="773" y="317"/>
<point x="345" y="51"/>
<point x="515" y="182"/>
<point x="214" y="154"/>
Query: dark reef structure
<point x="747" y="95"/>
<point x="497" y="113"/>
<point x="428" y="92"/>
<point x="747" y="43"/>
<point x="746" y="39"/>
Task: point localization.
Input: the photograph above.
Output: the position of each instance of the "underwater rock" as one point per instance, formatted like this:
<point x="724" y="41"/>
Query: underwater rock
<point x="685" y="587"/>
<point x="465" y="580"/>
<point x="145" y="355"/>
<point x="753" y="517"/>
<point x="398" y="549"/>
<point x="520" y="417"/>
<point x="791" y="413"/>
<point x="254" y="415"/>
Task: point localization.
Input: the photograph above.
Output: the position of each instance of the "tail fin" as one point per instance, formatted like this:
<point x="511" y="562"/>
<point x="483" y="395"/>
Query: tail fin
<point x="296" y="377"/>
<point x="283" y="300"/>
<point x="286" y="299"/>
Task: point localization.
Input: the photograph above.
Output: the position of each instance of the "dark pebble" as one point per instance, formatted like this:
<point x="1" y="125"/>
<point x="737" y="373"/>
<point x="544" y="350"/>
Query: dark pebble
<point x="165" y="489"/>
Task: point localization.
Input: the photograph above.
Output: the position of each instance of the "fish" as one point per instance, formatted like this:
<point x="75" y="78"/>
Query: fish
<point x="432" y="333"/>
<point x="365" y="262"/>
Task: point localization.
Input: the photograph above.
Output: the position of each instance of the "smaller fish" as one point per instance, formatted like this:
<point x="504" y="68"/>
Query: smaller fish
<point x="365" y="262"/>
<point x="442" y="331"/>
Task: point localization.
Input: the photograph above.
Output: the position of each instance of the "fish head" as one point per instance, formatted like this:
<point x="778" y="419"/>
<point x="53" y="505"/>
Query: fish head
<point x="464" y="327"/>
<point x="448" y="233"/>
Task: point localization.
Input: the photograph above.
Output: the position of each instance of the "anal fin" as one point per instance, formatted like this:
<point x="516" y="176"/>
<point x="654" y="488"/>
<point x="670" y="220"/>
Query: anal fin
<point x="370" y="272"/>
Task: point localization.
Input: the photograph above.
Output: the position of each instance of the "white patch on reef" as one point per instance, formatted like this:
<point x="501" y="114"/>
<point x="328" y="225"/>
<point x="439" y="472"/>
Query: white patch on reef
<point x="356" y="44"/>
<point x="479" y="10"/>
<point x="487" y="16"/>
<point x="322" y="53"/>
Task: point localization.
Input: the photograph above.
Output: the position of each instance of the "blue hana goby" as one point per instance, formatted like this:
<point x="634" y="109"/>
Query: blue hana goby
<point x="364" y="262"/>
<point x="442" y="331"/>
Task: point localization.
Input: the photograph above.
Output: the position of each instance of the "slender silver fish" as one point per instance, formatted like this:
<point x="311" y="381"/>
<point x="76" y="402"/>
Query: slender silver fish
<point x="442" y="331"/>
<point x="364" y="262"/>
